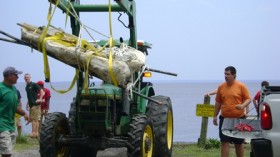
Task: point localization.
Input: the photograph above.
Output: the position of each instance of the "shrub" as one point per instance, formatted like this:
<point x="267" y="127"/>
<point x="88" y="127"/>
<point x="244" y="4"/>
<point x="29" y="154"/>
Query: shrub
<point x="21" y="139"/>
<point x="212" y="143"/>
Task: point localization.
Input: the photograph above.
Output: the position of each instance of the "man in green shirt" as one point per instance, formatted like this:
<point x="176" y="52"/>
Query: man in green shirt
<point x="9" y="105"/>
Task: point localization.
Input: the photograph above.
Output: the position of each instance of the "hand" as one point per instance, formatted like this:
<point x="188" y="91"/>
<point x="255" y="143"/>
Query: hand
<point x="239" y="107"/>
<point x="38" y="101"/>
<point x="27" y="119"/>
<point x="27" y="108"/>
<point x="45" y="112"/>
<point x="215" y="122"/>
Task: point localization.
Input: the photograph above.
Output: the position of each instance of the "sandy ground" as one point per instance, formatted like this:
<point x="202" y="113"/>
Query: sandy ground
<point x="111" y="152"/>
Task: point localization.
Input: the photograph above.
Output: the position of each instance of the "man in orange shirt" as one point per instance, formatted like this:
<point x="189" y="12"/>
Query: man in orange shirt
<point x="231" y="99"/>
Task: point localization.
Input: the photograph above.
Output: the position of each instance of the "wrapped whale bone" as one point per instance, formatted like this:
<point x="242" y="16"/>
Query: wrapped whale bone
<point x="62" y="46"/>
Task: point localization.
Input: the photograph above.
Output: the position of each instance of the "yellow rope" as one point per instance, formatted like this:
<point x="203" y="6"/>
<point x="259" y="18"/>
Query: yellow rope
<point x="67" y="13"/>
<point x="42" y="36"/>
<point x="58" y="37"/>
<point x="111" y="44"/>
<point x="70" y="87"/>
<point x="41" y="47"/>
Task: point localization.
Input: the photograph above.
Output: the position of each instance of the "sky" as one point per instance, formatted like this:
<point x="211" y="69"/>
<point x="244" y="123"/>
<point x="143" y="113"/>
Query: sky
<point x="196" y="39"/>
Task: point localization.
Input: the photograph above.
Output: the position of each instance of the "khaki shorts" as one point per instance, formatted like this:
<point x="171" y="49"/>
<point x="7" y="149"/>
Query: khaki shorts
<point x="7" y="142"/>
<point x="35" y="113"/>
<point x="17" y="121"/>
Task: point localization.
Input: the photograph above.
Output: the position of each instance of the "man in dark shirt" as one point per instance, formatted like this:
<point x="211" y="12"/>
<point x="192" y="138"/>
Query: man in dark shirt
<point x="33" y="104"/>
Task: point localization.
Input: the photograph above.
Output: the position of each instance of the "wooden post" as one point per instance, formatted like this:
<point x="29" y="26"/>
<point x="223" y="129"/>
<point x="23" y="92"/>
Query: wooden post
<point x="204" y="126"/>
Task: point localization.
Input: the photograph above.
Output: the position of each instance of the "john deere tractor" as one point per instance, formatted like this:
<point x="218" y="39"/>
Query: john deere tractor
<point x="108" y="115"/>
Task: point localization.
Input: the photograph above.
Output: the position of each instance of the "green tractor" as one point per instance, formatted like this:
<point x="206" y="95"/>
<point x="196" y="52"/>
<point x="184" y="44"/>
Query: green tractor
<point x="109" y="116"/>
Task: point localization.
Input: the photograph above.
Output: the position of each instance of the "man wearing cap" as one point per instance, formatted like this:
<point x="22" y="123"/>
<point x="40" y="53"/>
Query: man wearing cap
<point x="33" y="103"/>
<point x="9" y="105"/>
<point x="45" y="105"/>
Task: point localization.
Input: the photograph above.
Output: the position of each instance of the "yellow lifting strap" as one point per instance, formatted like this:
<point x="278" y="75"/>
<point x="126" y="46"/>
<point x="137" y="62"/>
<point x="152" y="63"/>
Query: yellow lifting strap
<point x="40" y="43"/>
<point x="41" y="47"/>
<point x="111" y="44"/>
<point x="67" y="13"/>
<point x="70" y="87"/>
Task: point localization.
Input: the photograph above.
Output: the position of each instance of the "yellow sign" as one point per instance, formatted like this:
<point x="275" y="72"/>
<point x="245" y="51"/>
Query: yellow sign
<point x="205" y="110"/>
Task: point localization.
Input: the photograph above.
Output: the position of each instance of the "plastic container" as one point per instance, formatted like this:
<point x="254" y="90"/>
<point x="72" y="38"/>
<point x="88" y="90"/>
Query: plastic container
<point x="242" y="128"/>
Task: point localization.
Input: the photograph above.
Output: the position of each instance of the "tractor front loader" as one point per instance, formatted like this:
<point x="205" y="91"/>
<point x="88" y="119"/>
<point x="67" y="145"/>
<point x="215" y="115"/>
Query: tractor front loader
<point x="109" y="115"/>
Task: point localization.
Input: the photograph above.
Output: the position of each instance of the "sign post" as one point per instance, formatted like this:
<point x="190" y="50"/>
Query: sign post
<point x="205" y="110"/>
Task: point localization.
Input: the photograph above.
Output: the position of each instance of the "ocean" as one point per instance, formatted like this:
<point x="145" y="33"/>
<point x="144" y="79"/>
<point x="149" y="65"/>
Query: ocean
<point x="184" y="96"/>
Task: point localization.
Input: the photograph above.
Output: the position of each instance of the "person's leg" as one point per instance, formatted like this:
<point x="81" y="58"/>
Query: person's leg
<point x="239" y="150"/>
<point x="225" y="149"/>
<point x="34" y="125"/>
<point x="38" y="118"/>
<point x="33" y="121"/>
<point x="225" y="140"/>
<point x="19" y="130"/>
<point x="41" y="121"/>
<point x="238" y="144"/>
<point x="37" y="128"/>
<point x="7" y="142"/>
<point x="19" y="127"/>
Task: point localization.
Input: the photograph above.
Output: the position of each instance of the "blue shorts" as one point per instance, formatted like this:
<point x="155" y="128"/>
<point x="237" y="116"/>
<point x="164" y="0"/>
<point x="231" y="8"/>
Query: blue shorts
<point x="225" y="138"/>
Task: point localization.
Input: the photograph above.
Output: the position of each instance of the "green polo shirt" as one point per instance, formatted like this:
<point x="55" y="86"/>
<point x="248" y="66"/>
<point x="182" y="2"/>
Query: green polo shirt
<point x="8" y="105"/>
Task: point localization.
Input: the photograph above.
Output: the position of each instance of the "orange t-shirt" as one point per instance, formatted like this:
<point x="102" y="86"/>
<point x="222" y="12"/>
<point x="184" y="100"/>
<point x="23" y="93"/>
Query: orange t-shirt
<point x="231" y="95"/>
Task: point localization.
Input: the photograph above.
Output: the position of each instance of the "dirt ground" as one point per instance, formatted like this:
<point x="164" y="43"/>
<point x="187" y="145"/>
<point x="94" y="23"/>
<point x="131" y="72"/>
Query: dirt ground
<point x="111" y="152"/>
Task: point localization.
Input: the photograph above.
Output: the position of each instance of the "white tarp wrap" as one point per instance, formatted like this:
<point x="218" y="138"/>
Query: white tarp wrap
<point x="126" y="60"/>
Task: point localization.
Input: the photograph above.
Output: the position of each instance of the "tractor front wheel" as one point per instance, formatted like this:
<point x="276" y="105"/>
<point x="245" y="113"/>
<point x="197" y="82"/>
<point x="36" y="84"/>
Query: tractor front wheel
<point x="54" y="125"/>
<point x="162" y="119"/>
<point x="140" y="137"/>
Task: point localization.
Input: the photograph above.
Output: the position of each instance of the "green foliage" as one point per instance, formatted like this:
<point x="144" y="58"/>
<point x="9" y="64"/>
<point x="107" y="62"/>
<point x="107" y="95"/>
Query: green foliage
<point x="24" y="142"/>
<point x="21" y="139"/>
<point x="212" y="143"/>
<point x="193" y="150"/>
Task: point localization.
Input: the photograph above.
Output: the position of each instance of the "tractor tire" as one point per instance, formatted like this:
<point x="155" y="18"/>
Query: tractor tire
<point x="162" y="118"/>
<point x="54" y="125"/>
<point x="72" y="117"/>
<point x="140" y="137"/>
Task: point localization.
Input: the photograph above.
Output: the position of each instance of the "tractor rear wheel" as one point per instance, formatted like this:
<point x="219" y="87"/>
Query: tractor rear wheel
<point x="162" y="118"/>
<point x="54" y="125"/>
<point x="140" y="137"/>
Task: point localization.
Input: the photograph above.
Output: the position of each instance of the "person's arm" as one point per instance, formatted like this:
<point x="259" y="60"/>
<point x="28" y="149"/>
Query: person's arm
<point x="247" y="110"/>
<point x="20" y="111"/>
<point x="243" y="105"/>
<point x="255" y="102"/>
<point x="213" y="92"/>
<point x="216" y="112"/>
<point x="20" y="103"/>
<point x="41" y="93"/>
<point x="27" y="106"/>
<point x="47" y="99"/>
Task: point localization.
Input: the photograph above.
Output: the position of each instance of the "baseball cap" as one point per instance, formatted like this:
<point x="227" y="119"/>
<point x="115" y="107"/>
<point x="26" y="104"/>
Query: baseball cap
<point x="40" y="83"/>
<point x="11" y="70"/>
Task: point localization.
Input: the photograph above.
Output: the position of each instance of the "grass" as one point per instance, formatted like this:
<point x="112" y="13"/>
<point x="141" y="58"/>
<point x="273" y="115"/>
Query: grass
<point x="192" y="150"/>
<point x="24" y="142"/>
<point x="179" y="150"/>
